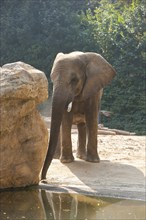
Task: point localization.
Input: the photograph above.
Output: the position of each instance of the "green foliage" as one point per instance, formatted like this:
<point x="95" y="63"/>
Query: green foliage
<point x="35" y="31"/>
<point x="119" y="30"/>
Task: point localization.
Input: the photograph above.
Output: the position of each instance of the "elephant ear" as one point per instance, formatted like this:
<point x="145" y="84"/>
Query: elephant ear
<point x="58" y="57"/>
<point x="98" y="74"/>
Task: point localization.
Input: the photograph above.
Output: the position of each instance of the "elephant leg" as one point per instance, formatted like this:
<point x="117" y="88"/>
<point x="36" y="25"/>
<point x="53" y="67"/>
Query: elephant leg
<point x="66" y="147"/>
<point x="81" y="148"/>
<point x="58" y="148"/>
<point x="91" y="113"/>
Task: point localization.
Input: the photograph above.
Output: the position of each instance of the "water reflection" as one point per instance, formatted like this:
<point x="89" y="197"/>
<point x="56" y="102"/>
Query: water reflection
<point x="44" y="205"/>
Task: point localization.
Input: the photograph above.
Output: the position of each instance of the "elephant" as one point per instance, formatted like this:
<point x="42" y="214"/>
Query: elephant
<point x="78" y="79"/>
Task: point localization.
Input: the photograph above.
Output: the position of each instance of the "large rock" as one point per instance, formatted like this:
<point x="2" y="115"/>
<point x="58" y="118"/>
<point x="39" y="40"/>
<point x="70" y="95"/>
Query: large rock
<point x="23" y="133"/>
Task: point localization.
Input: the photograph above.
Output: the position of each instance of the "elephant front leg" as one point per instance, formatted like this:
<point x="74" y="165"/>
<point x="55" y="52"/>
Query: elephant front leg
<point x="66" y="147"/>
<point x="81" y="148"/>
<point x="92" y="153"/>
<point x="92" y="126"/>
<point x="58" y="148"/>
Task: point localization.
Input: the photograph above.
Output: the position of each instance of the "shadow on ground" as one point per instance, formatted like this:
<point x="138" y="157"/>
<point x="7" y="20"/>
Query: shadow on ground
<point x="106" y="178"/>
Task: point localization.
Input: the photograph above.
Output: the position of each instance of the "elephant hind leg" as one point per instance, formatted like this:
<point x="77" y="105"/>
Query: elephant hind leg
<point x="81" y="148"/>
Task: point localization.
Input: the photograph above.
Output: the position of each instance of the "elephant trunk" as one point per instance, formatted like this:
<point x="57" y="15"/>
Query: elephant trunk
<point x="60" y="101"/>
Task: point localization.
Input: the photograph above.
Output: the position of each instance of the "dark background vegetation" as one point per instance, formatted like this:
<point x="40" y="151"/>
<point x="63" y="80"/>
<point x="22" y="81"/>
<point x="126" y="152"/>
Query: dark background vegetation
<point x="34" y="31"/>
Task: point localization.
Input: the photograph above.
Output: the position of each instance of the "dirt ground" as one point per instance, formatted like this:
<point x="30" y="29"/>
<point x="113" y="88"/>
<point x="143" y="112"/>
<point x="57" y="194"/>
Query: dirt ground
<point x="121" y="172"/>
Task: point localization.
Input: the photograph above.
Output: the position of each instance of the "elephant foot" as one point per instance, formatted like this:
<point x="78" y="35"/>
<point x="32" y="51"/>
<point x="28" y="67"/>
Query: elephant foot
<point x="56" y="156"/>
<point x="57" y="152"/>
<point x="43" y="181"/>
<point x="81" y="156"/>
<point x="66" y="159"/>
<point x="93" y="158"/>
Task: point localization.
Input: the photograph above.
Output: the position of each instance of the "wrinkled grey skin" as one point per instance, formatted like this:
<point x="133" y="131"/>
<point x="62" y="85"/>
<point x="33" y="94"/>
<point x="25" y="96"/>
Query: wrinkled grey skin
<point x="78" y="79"/>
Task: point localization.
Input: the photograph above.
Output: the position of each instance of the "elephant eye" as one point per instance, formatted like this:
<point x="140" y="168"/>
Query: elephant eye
<point x="74" y="80"/>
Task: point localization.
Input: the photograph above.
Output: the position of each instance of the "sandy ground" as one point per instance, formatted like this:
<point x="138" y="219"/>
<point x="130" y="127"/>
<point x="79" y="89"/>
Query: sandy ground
<point x="121" y="172"/>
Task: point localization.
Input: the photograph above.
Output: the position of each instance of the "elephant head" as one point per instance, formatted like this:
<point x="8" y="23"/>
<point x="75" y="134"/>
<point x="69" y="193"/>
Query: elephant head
<point x="75" y="76"/>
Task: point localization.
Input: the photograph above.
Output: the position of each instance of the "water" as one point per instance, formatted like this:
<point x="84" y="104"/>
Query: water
<point x="36" y="204"/>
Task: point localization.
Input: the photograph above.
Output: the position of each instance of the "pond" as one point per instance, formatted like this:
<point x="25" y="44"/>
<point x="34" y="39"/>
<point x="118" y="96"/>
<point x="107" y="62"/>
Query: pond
<point x="37" y="204"/>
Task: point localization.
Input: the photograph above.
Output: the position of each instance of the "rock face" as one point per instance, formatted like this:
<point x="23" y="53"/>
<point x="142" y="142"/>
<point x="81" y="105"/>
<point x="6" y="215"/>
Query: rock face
<point x="23" y="133"/>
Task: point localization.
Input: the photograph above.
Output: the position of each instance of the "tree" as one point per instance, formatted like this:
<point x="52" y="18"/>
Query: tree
<point x="119" y="31"/>
<point x="35" y="31"/>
